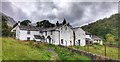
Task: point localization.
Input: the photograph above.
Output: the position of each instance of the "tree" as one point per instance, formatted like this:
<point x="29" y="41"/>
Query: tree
<point x="103" y="26"/>
<point x="5" y="27"/>
<point x="64" y="22"/>
<point x="110" y="38"/>
<point x="45" y="24"/>
<point x="25" y="22"/>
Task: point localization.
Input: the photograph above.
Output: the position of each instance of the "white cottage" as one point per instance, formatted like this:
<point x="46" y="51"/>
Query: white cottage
<point x="79" y="36"/>
<point x="63" y="34"/>
<point x="66" y="35"/>
<point x="91" y="39"/>
<point x="27" y="32"/>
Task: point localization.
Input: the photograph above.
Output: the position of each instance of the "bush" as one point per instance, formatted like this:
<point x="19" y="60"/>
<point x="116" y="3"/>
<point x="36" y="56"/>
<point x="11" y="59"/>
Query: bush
<point x="96" y="44"/>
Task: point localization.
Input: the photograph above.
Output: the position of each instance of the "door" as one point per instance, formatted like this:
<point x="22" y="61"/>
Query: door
<point x="79" y="42"/>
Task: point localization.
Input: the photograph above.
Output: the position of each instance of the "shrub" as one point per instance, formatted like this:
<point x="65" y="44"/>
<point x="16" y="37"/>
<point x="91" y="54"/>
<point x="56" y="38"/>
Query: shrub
<point x="96" y="44"/>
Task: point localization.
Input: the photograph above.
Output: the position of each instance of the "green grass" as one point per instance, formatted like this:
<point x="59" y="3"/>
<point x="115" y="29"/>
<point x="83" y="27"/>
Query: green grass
<point x="111" y="52"/>
<point x="0" y="49"/>
<point x="18" y="50"/>
<point x="65" y="54"/>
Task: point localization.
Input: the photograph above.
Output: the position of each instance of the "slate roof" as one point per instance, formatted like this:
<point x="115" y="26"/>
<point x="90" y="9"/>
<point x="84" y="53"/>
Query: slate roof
<point x="87" y="39"/>
<point x="87" y="33"/>
<point x="37" y="37"/>
<point x="31" y="28"/>
<point x="76" y="28"/>
<point x="54" y="28"/>
<point x="95" y="37"/>
<point x="49" y="29"/>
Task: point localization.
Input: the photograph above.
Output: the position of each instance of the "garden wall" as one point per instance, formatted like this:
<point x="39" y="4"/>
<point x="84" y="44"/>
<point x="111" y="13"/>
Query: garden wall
<point x="94" y="57"/>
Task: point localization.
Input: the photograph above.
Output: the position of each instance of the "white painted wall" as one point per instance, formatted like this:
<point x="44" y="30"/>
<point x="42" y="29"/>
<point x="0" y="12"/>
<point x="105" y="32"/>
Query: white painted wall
<point x="99" y="41"/>
<point x="88" y="36"/>
<point x="66" y="33"/>
<point x="17" y="32"/>
<point x="54" y="37"/>
<point x="80" y="35"/>
<point x="23" y="34"/>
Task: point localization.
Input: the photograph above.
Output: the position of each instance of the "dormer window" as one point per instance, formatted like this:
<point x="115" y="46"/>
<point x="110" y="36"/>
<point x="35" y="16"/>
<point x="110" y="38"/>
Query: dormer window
<point x="28" y="32"/>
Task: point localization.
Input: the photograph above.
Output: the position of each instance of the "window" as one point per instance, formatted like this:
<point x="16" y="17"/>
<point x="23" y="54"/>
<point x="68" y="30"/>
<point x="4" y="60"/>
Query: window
<point x="79" y="42"/>
<point x="28" y="38"/>
<point x="90" y="35"/>
<point x="51" y="32"/>
<point x="28" y="32"/>
<point x="61" y="41"/>
<point x="46" y="33"/>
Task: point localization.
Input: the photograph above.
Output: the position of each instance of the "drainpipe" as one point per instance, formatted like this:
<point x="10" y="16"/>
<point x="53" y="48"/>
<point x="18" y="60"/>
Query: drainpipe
<point x="74" y="38"/>
<point x="59" y="36"/>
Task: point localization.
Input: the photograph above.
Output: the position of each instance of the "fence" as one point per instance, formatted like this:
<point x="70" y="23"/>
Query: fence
<point x="94" y="57"/>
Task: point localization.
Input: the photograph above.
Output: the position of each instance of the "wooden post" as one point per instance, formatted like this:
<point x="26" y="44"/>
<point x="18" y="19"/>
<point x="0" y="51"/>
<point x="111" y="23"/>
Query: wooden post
<point x="105" y="51"/>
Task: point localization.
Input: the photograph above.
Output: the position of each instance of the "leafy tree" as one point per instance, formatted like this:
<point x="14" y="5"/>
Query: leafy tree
<point x="25" y="22"/>
<point x="110" y="38"/>
<point x="45" y="24"/>
<point x="5" y="27"/>
<point x="103" y="26"/>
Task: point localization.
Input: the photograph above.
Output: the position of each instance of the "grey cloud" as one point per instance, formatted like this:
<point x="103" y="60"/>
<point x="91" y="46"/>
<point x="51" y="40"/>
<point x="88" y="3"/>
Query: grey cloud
<point x="13" y="11"/>
<point x="77" y="14"/>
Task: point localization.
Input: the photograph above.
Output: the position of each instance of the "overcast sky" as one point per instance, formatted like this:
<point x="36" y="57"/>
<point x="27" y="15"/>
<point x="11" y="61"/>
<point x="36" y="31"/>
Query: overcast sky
<point x="76" y="13"/>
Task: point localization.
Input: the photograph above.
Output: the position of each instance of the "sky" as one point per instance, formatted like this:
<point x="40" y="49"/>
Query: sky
<point x="76" y="13"/>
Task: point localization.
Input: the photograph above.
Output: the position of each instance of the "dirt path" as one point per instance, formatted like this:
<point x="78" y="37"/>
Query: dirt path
<point x="54" y="53"/>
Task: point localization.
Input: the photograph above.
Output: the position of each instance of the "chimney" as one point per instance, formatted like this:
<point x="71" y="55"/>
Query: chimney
<point x="18" y="23"/>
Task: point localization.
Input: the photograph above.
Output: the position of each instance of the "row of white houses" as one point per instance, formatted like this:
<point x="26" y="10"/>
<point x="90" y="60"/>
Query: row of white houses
<point x="64" y="35"/>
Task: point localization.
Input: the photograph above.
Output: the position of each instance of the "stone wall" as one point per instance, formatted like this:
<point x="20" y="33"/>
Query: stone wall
<point x="94" y="57"/>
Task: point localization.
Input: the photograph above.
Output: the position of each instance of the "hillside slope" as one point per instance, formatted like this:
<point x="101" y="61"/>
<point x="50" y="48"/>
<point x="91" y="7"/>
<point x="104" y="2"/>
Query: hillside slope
<point x="7" y="24"/>
<point x="18" y="50"/>
<point x="105" y="26"/>
<point x="10" y="21"/>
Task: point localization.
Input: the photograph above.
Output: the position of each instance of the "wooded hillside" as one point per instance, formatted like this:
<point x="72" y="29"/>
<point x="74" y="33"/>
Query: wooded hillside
<point x="106" y="28"/>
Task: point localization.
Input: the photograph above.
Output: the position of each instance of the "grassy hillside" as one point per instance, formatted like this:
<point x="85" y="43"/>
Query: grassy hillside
<point x="106" y="28"/>
<point x="0" y="49"/>
<point x="19" y="50"/>
<point x="65" y="54"/>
